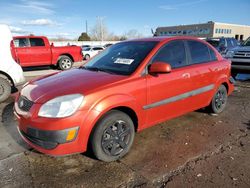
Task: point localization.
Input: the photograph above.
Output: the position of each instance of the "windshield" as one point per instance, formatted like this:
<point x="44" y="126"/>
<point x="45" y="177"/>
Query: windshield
<point x="247" y="42"/>
<point x="122" y="58"/>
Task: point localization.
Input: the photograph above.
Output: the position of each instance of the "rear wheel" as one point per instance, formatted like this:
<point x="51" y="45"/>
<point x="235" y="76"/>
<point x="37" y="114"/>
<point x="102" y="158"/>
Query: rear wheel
<point x="5" y="89"/>
<point x="65" y="63"/>
<point x="219" y="100"/>
<point x="87" y="56"/>
<point x="113" y="136"/>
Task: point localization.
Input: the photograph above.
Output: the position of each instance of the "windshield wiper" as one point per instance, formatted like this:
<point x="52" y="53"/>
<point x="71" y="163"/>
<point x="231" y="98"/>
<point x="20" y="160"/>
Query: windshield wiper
<point x="96" y="69"/>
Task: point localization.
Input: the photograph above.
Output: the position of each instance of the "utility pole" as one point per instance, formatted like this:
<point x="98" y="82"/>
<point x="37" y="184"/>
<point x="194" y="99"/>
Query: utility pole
<point x="86" y="26"/>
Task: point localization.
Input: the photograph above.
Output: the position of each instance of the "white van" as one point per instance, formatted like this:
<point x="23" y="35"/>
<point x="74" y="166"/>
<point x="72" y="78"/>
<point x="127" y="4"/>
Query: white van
<point x="11" y="74"/>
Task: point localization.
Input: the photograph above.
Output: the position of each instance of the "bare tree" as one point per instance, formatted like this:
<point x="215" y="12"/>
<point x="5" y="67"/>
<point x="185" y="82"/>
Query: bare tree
<point x="132" y="34"/>
<point x="99" y="31"/>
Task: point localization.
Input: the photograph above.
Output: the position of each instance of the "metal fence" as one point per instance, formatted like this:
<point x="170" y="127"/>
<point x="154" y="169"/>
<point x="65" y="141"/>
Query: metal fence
<point x="80" y="43"/>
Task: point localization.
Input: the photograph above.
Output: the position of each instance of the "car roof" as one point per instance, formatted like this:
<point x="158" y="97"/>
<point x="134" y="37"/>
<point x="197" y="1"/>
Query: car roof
<point x="165" y="38"/>
<point x="28" y="36"/>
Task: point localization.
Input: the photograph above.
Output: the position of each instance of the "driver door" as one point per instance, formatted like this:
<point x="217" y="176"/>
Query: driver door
<point x="166" y="93"/>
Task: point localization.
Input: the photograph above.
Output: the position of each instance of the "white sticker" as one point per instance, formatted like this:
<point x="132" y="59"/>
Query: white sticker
<point x="124" y="61"/>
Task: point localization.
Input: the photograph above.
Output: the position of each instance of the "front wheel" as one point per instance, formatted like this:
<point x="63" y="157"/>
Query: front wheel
<point x="113" y="136"/>
<point x="65" y="63"/>
<point x="5" y="89"/>
<point x="219" y="100"/>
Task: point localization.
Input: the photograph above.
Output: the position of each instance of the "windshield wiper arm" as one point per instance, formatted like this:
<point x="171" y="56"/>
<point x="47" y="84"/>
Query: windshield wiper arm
<point x="96" y="69"/>
<point x="91" y="68"/>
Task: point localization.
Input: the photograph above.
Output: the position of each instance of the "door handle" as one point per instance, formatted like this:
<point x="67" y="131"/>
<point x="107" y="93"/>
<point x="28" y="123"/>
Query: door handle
<point x="186" y="75"/>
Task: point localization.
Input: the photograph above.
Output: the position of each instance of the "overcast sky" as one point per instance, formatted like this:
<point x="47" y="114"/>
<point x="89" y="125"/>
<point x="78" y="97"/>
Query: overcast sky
<point x="67" y="17"/>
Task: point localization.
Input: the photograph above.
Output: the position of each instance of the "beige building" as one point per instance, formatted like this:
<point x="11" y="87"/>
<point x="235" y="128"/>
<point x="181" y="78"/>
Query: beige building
<point x="207" y="30"/>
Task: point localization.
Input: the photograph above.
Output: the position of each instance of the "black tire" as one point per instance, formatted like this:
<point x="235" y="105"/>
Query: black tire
<point x="65" y="63"/>
<point x="5" y="89"/>
<point x="219" y="100"/>
<point x="87" y="56"/>
<point x="112" y="136"/>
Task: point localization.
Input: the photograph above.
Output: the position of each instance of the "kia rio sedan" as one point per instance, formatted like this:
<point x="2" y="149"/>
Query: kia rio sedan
<point x="130" y="86"/>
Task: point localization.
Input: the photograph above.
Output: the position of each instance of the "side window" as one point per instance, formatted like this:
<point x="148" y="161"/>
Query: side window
<point x="235" y="42"/>
<point x="36" y="42"/>
<point x="212" y="55"/>
<point x="172" y="53"/>
<point x="222" y="42"/>
<point x="21" y="42"/>
<point x="229" y="43"/>
<point x="97" y="48"/>
<point x="199" y="52"/>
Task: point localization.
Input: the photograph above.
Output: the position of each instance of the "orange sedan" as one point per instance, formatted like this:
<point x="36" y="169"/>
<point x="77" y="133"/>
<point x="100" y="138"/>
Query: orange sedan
<point x="130" y="86"/>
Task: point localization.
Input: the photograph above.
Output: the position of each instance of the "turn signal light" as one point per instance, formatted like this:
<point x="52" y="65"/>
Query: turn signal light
<point x="71" y="135"/>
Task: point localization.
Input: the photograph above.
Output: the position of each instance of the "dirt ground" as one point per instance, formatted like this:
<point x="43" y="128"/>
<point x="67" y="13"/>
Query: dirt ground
<point x="194" y="150"/>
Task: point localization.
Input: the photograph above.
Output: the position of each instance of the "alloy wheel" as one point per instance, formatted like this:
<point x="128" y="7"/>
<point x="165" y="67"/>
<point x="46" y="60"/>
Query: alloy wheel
<point x="66" y="64"/>
<point x="116" y="138"/>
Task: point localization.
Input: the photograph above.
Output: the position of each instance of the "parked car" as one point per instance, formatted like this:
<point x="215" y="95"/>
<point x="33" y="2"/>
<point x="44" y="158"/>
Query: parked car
<point x="85" y="46"/>
<point x="107" y="45"/>
<point x="37" y="51"/>
<point x="240" y="58"/>
<point x="130" y="86"/>
<point x="11" y="74"/>
<point x="91" y="52"/>
<point x="223" y="44"/>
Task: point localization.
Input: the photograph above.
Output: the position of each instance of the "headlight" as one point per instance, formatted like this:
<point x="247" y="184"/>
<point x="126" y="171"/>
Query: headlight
<point x="229" y="54"/>
<point x="63" y="106"/>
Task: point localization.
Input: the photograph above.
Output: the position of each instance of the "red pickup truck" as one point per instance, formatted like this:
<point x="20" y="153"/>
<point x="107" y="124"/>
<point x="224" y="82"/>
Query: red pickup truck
<point x="31" y="51"/>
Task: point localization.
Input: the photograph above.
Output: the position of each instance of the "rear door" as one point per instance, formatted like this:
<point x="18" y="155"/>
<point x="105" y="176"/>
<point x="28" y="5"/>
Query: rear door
<point x="167" y="93"/>
<point x="204" y="71"/>
<point x="40" y="53"/>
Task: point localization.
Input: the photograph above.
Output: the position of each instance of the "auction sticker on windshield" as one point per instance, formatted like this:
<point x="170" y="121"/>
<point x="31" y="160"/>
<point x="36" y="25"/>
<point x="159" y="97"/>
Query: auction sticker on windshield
<point x="124" y="61"/>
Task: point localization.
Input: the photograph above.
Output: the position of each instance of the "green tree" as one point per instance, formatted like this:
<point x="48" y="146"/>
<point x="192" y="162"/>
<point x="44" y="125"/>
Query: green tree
<point x="84" y="37"/>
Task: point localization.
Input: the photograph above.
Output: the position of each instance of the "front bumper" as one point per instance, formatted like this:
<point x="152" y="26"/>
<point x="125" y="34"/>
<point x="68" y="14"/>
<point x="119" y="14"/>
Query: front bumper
<point x="52" y="135"/>
<point x="49" y="139"/>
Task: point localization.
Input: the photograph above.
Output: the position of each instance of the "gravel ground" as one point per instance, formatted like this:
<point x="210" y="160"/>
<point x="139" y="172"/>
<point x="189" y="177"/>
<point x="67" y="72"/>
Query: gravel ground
<point x="194" y="150"/>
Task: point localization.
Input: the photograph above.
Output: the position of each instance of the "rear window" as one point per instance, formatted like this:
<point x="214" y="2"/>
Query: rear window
<point x="21" y="42"/>
<point x="36" y="42"/>
<point x="199" y="52"/>
<point x="212" y="55"/>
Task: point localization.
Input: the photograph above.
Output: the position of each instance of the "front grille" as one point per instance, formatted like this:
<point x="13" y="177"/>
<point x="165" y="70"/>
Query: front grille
<point x="242" y="54"/>
<point x="24" y="104"/>
<point x="44" y="144"/>
<point x="240" y="63"/>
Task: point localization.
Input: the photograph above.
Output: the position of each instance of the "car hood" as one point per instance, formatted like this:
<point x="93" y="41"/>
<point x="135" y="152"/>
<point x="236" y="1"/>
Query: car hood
<point x="242" y="48"/>
<point x="67" y="82"/>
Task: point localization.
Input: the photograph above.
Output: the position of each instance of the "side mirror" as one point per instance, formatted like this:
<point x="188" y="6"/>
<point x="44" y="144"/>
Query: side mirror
<point x="52" y="44"/>
<point x="159" y="67"/>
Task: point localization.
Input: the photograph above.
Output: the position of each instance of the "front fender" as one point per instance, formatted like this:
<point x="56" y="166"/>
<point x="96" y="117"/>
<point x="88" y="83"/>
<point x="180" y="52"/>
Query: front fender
<point x="106" y="104"/>
<point x="120" y="100"/>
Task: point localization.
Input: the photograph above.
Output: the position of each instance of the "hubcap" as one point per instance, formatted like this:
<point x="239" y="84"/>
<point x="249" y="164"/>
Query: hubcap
<point x="116" y="138"/>
<point x="220" y="99"/>
<point x="66" y="64"/>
